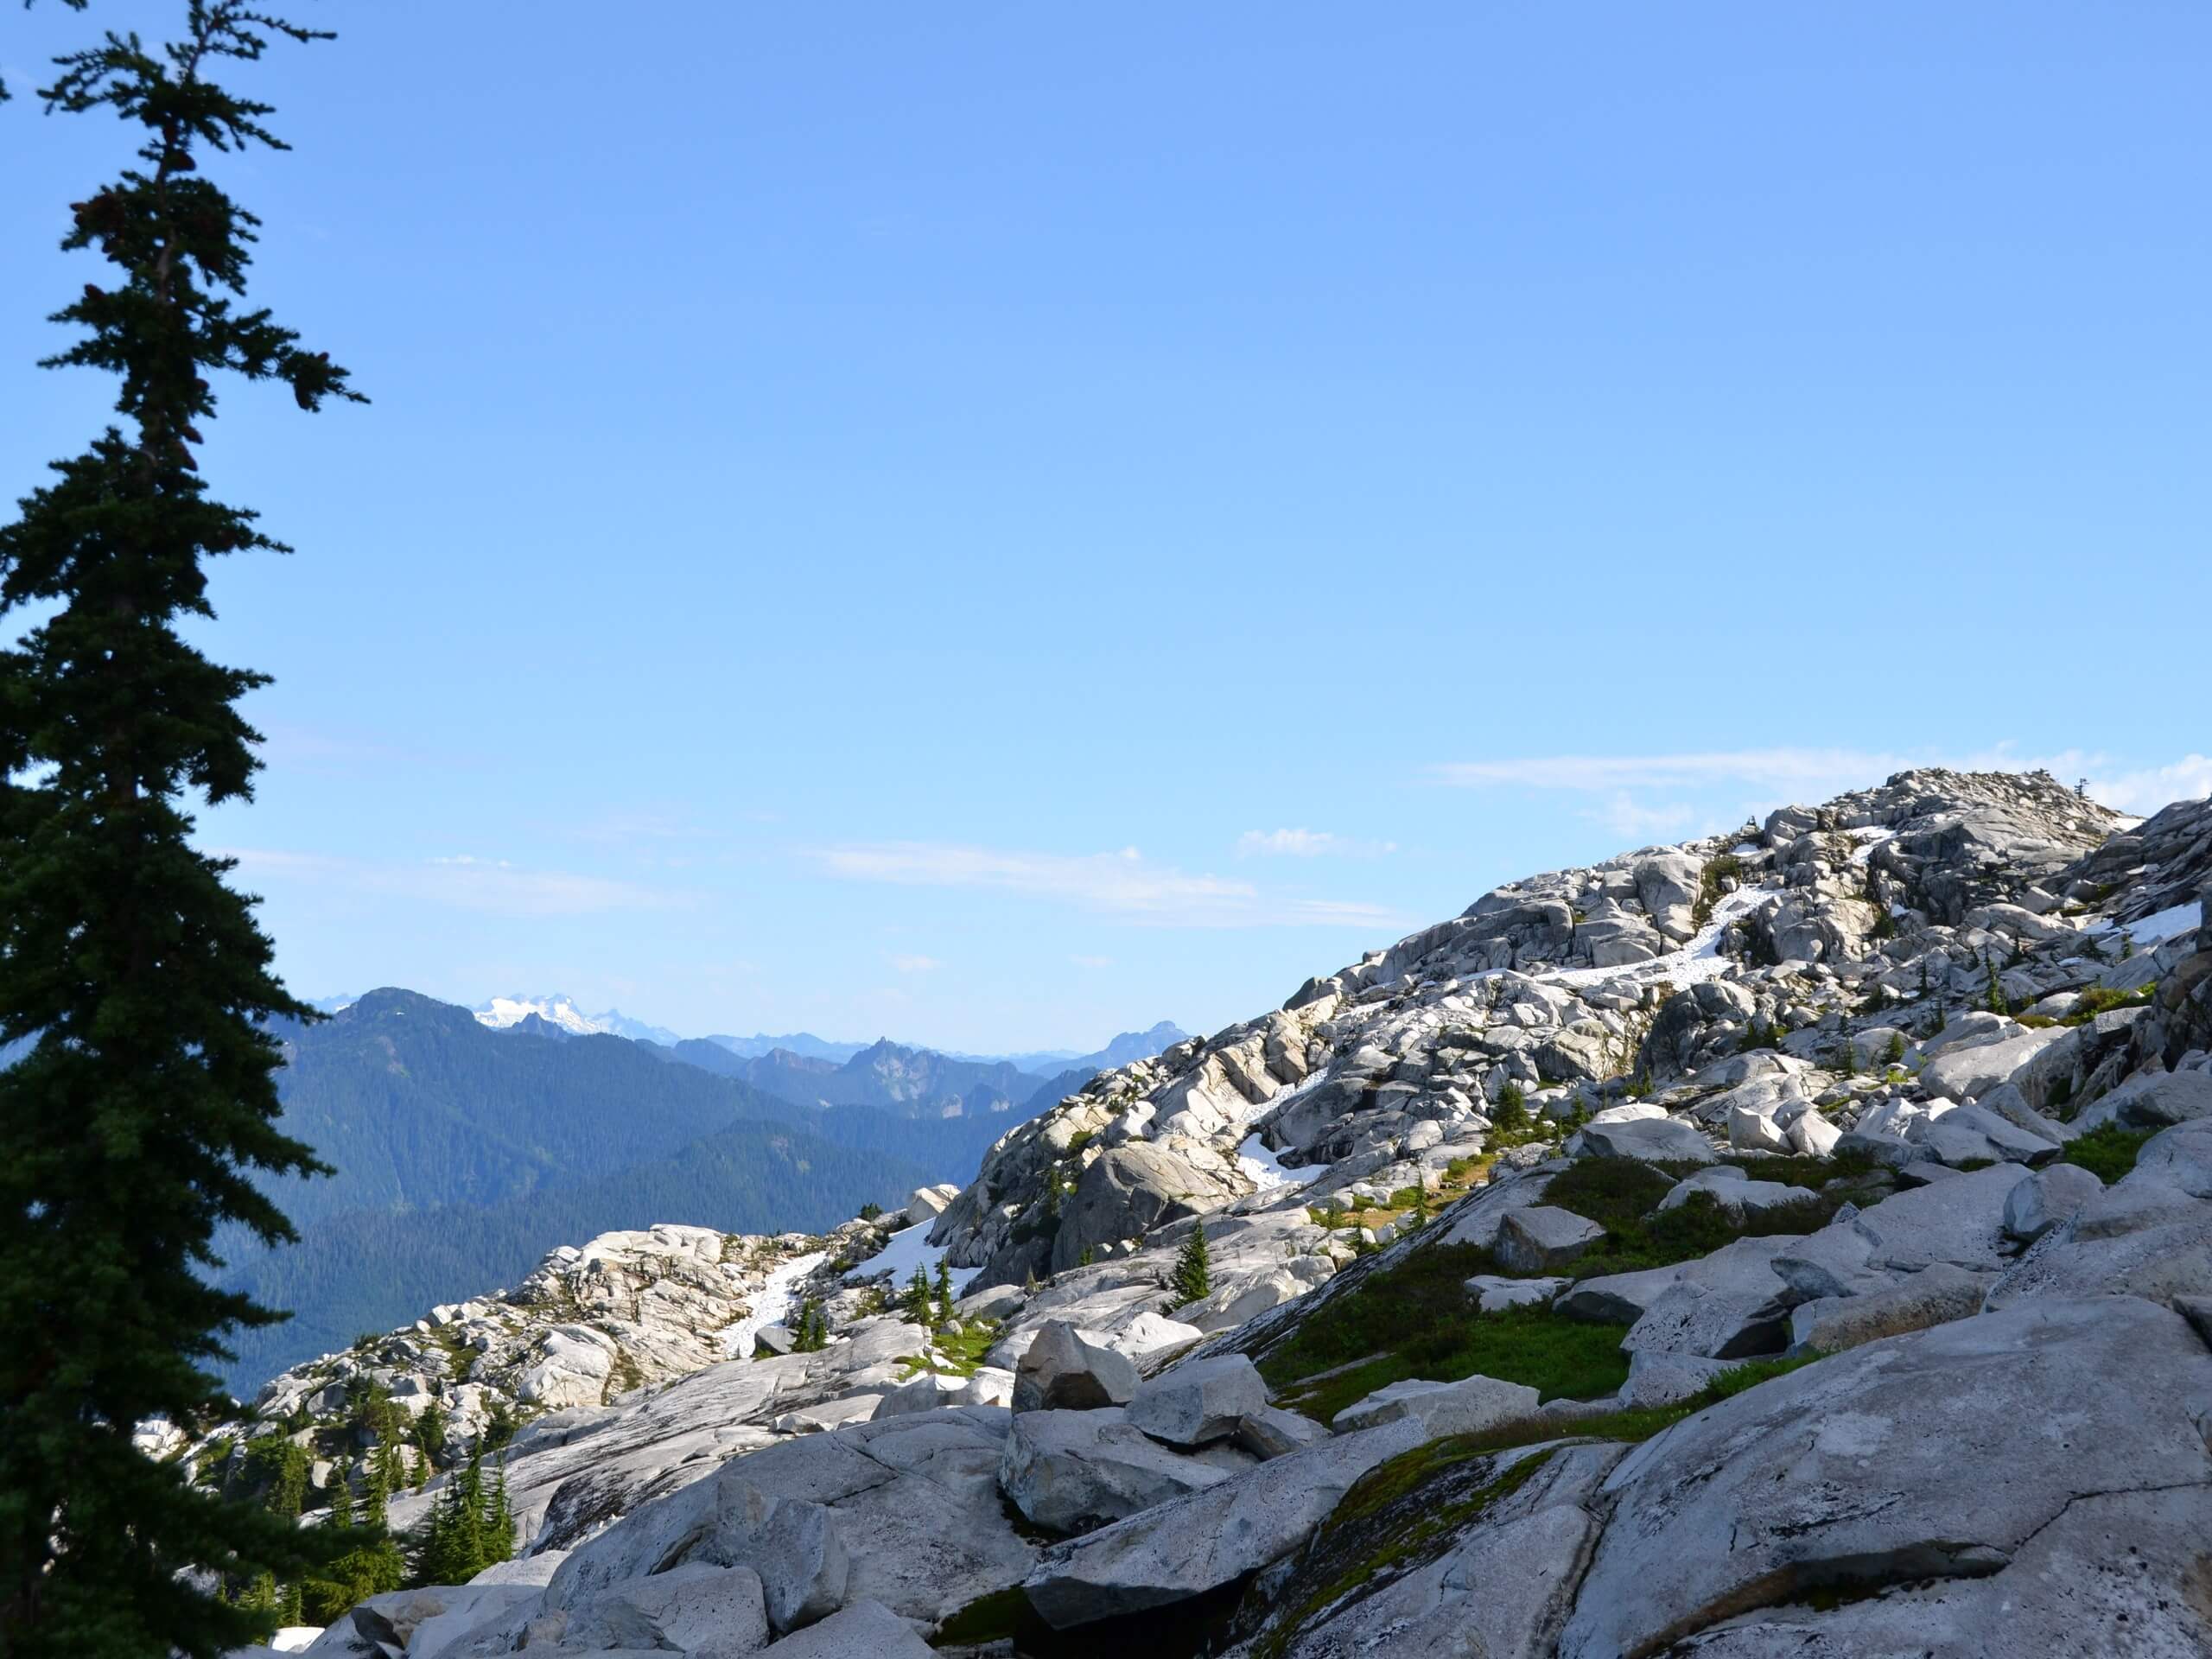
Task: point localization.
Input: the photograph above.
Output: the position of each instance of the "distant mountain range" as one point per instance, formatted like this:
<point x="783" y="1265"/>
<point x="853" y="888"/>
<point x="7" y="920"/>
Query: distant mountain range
<point x="465" y="1151"/>
<point x="504" y="1012"/>
<point x="467" y="1142"/>
<point x="908" y="1082"/>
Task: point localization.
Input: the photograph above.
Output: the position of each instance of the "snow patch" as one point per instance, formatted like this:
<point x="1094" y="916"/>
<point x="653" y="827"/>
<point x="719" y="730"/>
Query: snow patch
<point x="1869" y="837"/>
<point x="910" y="1248"/>
<point x="504" y="1011"/>
<point x="771" y="1306"/>
<point x="1266" y="1171"/>
<point x="2165" y="924"/>
<point x="1696" y="963"/>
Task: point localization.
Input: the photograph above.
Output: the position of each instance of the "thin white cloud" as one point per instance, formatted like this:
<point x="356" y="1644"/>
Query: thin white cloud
<point x="916" y="964"/>
<point x="460" y="881"/>
<point x="1307" y="843"/>
<point x="1091" y="962"/>
<point x="1807" y="775"/>
<point x="1829" y="770"/>
<point x="1632" y="820"/>
<point x="2143" y="790"/>
<point x="1124" y="884"/>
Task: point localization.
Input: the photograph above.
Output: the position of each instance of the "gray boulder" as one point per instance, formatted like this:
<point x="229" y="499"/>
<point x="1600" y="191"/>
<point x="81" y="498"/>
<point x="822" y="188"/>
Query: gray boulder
<point x="1271" y="1432"/>
<point x="1198" y="1402"/>
<point x="867" y="1630"/>
<point x="1490" y="1291"/>
<point x="1846" y="1474"/>
<point x="1543" y="1239"/>
<point x="1128" y="1191"/>
<point x="1650" y="1140"/>
<point x="794" y="1545"/>
<point x="1658" y="1378"/>
<point x="2068" y="1590"/>
<point x="1935" y="1295"/>
<point x="1067" y="1368"/>
<point x="2046" y="1199"/>
<point x="1960" y="1221"/>
<point x="1731" y="1300"/>
<point x="1467" y="1407"/>
<point x="1963" y="1073"/>
<point x="2152" y="1100"/>
<point x="1209" y="1539"/>
<point x="1727" y="1186"/>
<point x="2150" y="1233"/>
<point x="1074" y="1472"/>
<point x="696" y="1609"/>
<point x="1999" y="1139"/>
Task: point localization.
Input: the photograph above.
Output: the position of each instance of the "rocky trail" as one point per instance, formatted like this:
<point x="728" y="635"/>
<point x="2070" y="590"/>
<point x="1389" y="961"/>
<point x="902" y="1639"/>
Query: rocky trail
<point x="1794" y="1243"/>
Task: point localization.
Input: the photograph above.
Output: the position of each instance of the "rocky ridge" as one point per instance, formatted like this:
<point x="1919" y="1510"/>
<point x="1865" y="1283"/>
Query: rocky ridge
<point x="1794" y="1242"/>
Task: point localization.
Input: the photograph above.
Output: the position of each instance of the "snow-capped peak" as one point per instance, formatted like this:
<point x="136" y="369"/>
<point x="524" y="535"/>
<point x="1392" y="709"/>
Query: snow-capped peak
<point x="503" y="1011"/>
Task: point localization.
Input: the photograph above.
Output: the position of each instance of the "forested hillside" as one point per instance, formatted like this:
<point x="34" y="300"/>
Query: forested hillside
<point x="464" y="1153"/>
<point x="370" y="1269"/>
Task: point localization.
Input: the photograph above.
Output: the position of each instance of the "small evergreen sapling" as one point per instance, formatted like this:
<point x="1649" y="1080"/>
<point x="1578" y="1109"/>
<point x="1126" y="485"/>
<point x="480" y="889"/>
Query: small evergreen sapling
<point x="1192" y="1278"/>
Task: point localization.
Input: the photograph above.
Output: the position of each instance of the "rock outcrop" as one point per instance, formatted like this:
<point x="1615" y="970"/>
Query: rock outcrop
<point x="1798" y="1241"/>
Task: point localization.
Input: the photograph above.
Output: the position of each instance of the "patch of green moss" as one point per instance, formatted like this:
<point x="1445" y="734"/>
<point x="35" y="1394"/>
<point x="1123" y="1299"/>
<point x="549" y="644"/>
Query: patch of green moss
<point x="1002" y="1616"/>
<point x="2107" y="1152"/>
<point x="1622" y="1195"/>
<point x="1413" y="1320"/>
<point x="1708" y="885"/>
<point x="963" y="1353"/>
<point x="2102" y="999"/>
<point x="1399" y="1515"/>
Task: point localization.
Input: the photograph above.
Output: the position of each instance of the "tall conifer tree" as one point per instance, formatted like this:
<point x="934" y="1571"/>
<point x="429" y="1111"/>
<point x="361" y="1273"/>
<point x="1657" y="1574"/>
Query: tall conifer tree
<point x="137" y="1123"/>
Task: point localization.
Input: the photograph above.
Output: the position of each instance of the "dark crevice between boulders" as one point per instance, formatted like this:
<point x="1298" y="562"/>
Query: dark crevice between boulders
<point x="1184" y="1630"/>
<point x="1835" y="1582"/>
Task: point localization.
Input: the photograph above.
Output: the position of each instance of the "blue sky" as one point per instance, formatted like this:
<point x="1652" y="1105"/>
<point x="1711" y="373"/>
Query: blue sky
<point x="998" y="526"/>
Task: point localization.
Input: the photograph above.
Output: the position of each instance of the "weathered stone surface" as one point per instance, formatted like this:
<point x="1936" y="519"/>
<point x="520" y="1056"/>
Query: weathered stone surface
<point x="2151" y="1101"/>
<point x="1211" y="1538"/>
<point x="1659" y="1378"/>
<point x="1961" y="1222"/>
<point x="1846" y="1472"/>
<point x="695" y="1609"/>
<point x="1271" y="1432"/>
<point x="1490" y="1291"/>
<point x="1727" y="1186"/>
<point x="1650" y="1141"/>
<point x="436" y="1620"/>
<point x="1813" y="1137"/>
<point x="1467" y="1407"/>
<point x="1731" y="1300"/>
<point x="792" y="1544"/>
<point x="1074" y="1472"/>
<point x="2046" y="1199"/>
<point x="1067" y="1368"/>
<point x="866" y="1629"/>
<point x="1964" y="1072"/>
<point x="1935" y="1295"/>
<point x="2123" y="1569"/>
<point x="1128" y="1191"/>
<point x="1150" y="1338"/>
<point x="912" y="1506"/>
<point x="1501" y="1591"/>
<point x="1542" y="1239"/>
<point x="2150" y="1233"/>
<point x="1200" y="1400"/>
<point x="2004" y="1140"/>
